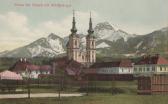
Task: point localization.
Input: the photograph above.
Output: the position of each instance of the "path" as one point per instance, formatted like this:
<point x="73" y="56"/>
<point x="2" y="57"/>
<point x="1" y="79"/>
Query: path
<point x="6" y="96"/>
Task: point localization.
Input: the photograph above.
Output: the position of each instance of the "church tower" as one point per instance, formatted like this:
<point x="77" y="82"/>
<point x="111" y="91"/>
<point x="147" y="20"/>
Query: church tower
<point x="73" y="43"/>
<point x="90" y="44"/>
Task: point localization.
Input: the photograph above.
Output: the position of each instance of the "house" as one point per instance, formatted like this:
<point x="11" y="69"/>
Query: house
<point x="35" y="71"/>
<point x="154" y="84"/>
<point x="116" y="67"/>
<point x="148" y="65"/>
<point x="26" y="69"/>
<point x="107" y="71"/>
<point x="70" y="67"/>
<point x="8" y="75"/>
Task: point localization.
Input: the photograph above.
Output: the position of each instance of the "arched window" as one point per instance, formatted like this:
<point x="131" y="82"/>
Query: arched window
<point x="75" y="42"/>
<point x="92" y="43"/>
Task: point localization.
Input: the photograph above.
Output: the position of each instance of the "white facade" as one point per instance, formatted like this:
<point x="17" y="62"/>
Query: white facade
<point x="33" y="74"/>
<point x="115" y="70"/>
<point x="150" y="69"/>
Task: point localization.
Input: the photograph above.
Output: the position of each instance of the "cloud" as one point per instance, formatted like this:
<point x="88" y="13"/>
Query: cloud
<point x="62" y="28"/>
<point x="16" y="30"/>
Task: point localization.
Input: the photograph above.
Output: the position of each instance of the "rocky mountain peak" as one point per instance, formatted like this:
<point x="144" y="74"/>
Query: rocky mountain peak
<point x="104" y="25"/>
<point x="53" y="36"/>
<point x="164" y="29"/>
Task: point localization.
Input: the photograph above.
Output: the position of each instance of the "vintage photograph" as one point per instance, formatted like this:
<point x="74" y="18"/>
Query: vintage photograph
<point x="83" y="51"/>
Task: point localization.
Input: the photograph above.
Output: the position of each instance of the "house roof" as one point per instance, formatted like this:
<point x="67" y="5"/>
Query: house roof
<point x="20" y="65"/>
<point x="157" y="59"/>
<point x="23" y="65"/>
<point x="33" y="67"/>
<point x="70" y="66"/>
<point x="121" y="63"/>
<point x="10" y="75"/>
<point x="45" y="68"/>
<point x="74" y="68"/>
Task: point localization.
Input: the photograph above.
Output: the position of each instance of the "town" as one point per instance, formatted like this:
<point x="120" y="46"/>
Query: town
<point x="105" y="52"/>
<point x="150" y="71"/>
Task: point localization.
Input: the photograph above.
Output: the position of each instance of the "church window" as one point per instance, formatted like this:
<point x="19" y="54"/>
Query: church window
<point x="92" y="52"/>
<point x="76" y="43"/>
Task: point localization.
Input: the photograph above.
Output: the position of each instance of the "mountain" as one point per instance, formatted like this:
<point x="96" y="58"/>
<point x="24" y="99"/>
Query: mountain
<point x="43" y="47"/>
<point x="152" y="43"/>
<point x="3" y="53"/>
<point x="105" y="31"/>
<point x="155" y="42"/>
<point x="109" y="42"/>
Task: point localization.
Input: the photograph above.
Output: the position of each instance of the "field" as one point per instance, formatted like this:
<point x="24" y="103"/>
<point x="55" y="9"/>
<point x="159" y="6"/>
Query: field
<point x="126" y="95"/>
<point x="99" y="98"/>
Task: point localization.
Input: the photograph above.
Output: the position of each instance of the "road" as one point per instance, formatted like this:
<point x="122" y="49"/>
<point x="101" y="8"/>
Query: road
<point x="38" y="95"/>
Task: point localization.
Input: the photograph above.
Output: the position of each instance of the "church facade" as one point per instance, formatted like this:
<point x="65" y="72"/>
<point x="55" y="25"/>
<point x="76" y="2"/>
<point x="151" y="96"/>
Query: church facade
<point x="74" y="51"/>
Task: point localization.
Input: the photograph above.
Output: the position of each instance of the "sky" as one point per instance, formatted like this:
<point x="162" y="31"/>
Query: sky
<point x="24" y="21"/>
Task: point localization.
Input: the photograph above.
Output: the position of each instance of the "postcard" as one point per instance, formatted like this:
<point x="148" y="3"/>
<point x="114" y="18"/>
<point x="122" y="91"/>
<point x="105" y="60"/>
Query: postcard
<point x="83" y="51"/>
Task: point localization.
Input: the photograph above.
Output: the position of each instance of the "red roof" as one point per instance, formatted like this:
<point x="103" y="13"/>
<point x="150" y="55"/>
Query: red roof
<point x="10" y="75"/>
<point x="23" y="65"/>
<point x="74" y="68"/>
<point x="45" y="68"/>
<point x="153" y="60"/>
<point x="20" y="65"/>
<point x="33" y="67"/>
<point x="122" y="63"/>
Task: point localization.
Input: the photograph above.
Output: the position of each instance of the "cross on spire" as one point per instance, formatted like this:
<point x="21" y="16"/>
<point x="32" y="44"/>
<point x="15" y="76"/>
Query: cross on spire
<point x="73" y="30"/>
<point x="90" y="30"/>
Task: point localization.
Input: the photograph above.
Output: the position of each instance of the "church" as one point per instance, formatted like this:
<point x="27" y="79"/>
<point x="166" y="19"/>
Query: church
<point x="74" y="51"/>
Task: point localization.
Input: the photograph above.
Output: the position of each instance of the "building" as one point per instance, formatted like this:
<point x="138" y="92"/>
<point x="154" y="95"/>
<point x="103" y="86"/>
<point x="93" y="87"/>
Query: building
<point x="8" y="75"/>
<point x="154" y="84"/>
<point x="107" y="71"/>
<point x="116" y="67"/>
<point x="70" y="67"/>
<point x="25" y="68"/>
<point x="74" y="51"/>
<point x="151" y="65"/>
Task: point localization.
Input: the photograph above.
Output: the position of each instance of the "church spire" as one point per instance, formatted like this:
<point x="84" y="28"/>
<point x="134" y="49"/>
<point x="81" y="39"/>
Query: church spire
<point x="73" y="30"/>
<point x="90" y="31"/>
